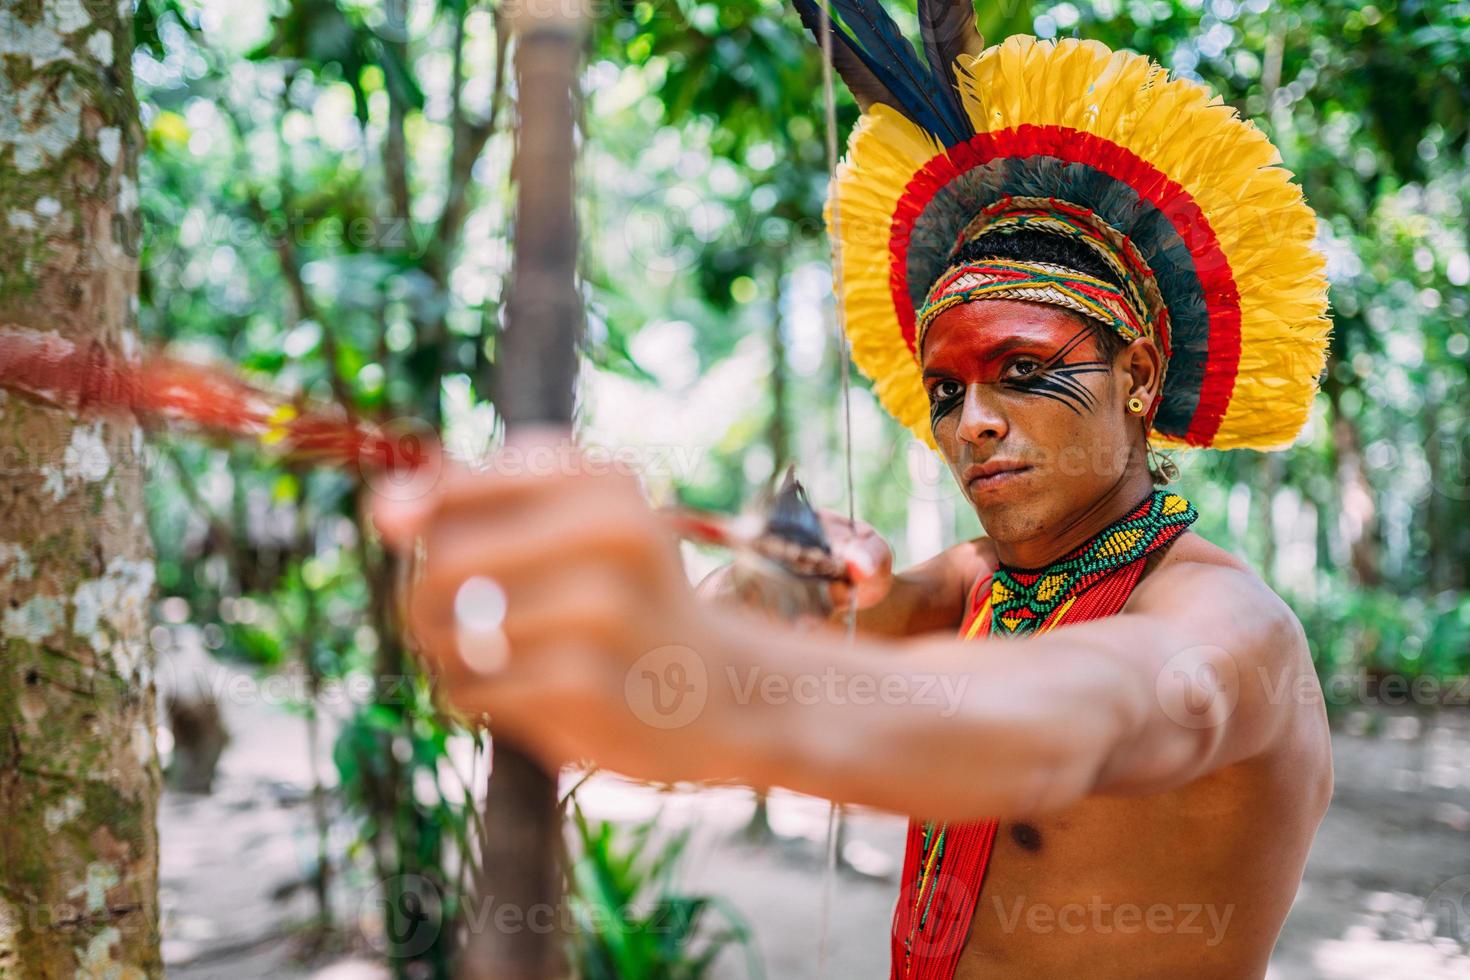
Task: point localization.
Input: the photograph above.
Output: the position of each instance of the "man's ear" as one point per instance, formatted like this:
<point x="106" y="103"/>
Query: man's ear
<point x="1144" y="366"/>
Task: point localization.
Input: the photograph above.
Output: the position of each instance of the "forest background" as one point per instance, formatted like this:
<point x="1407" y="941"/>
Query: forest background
<point x="325" y="196"/>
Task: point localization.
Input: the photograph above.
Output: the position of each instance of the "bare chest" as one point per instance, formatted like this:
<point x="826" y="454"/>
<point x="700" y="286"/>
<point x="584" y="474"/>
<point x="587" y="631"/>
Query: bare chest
<point x="1199" y="876"/>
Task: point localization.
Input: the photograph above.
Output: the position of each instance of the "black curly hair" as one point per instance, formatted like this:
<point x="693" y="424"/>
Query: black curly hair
<point x="1033" y="245"/>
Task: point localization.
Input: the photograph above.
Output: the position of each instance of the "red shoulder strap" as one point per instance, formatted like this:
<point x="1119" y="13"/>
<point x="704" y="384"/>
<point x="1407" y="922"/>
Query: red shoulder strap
<point x="944" y="865"/>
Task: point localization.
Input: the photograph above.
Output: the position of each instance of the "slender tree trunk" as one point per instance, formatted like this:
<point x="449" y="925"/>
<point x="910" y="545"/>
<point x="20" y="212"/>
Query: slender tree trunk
<point x="78" y="773"/>
<point x="1265" y="486"/>
<point x="1358" y="509"/>
<point x="778" y="433"/>
<point x="1444" y="536"/>
<point x="311" y="669"/>
<point x="778" y="438"/>
<point x="535" y="385"/>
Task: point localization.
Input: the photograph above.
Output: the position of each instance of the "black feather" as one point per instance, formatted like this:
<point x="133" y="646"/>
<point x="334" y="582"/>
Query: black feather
<point x="791" y="516"/>
<point x="895" y="74"/>
<point x="879" y="36"/>
<point x="864" y="30"/>
<point x="865" y="86"/>
<point x="947" y="28"/>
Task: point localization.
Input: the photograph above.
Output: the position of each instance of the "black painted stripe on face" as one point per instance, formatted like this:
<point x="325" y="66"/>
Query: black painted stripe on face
<point x="1056" y="378"/>
<point x="1060" y="379"/>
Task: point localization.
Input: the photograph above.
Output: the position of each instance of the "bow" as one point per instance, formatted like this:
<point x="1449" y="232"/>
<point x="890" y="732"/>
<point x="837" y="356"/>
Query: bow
<point x="536" y="369"/>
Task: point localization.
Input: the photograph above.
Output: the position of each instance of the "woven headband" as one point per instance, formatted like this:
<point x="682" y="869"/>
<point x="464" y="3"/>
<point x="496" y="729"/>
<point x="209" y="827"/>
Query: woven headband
<point x="1033" y="282"/>
<point x="1076" y="223"/>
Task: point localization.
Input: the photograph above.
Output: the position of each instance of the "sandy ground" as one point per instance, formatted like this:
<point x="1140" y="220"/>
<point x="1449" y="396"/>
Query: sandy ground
<point x="1396" y="839"/>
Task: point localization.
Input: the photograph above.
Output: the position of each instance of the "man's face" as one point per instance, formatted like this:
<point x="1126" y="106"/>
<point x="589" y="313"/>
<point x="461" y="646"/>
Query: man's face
<point x="1028" y="410"/>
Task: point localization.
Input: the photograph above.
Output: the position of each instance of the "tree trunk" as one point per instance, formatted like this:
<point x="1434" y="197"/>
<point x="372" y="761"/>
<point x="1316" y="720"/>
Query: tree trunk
<point x="78" y="772"/>
<point x="778" y="433"/>
<point x="778" y="438"/>
<point x="1358" y="508"/>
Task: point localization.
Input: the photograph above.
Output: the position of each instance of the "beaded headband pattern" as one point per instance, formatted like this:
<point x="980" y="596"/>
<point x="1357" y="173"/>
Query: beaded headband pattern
<point x="1033" y="282"/>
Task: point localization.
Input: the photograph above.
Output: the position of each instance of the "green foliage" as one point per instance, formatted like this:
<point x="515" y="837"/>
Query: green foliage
<point x="296" y="198"/>
<point x="297" y="223"/>
<point x="1380" y="633"/>
<point x="632" y="921"/>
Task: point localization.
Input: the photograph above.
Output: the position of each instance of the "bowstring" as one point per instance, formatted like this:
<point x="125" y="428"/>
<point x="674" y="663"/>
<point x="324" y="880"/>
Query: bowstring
<point x="829" y="99"/>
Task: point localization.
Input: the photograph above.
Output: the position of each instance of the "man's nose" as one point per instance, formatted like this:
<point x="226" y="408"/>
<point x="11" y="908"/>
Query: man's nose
<point x="982" y="419"/>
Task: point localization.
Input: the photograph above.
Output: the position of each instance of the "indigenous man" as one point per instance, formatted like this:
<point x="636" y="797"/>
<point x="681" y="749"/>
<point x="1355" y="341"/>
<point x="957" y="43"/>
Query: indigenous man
<point x="1051" y="254"/>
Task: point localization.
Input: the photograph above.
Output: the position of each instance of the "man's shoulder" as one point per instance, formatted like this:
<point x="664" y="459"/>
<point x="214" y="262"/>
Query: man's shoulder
<point x="973" y="560"/>
<point x="1190" y="547"/>
<point x="1196" y="575"/>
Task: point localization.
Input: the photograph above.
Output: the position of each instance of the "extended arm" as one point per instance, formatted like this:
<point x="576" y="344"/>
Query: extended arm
<point x="929" y="596"/>
<point x="1202" y="672"/>
<point x="614" y="659"/>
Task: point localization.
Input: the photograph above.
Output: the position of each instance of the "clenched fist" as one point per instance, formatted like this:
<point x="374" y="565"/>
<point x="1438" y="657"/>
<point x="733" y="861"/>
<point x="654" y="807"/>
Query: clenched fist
<point x="868" y="558"/>
<point x="584" y="579"/>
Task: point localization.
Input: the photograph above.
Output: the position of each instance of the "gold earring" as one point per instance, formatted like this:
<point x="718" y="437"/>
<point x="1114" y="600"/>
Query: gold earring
<point x="1135" y="405"/>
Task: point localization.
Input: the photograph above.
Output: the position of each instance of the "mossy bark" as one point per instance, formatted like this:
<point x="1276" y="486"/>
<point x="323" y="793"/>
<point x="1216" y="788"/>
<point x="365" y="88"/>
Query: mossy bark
<point x="78" y="772"/>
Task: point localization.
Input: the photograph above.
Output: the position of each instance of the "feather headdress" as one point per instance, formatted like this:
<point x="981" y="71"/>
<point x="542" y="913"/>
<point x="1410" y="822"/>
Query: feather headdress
<point x="1193" y="195"/>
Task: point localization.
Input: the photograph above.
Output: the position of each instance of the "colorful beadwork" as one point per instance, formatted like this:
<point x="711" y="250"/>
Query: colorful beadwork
<point x="1021" y="599"/>
<point x="1112" y="248"/>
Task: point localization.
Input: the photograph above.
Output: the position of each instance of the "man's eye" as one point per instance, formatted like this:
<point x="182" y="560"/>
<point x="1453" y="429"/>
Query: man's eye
<point x="1021" y="367"/>
<point x="945" y="390"/>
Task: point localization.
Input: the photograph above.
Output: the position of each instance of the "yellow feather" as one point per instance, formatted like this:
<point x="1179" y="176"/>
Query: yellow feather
<point x="1227" y="165"/>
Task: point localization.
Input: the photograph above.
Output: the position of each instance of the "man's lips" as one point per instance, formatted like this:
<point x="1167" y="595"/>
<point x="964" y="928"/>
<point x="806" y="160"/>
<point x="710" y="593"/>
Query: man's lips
<point x="993" y="472"/>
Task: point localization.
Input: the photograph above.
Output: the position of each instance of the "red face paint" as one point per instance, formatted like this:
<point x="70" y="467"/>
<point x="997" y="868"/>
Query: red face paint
<point x="1022" y="347"/>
